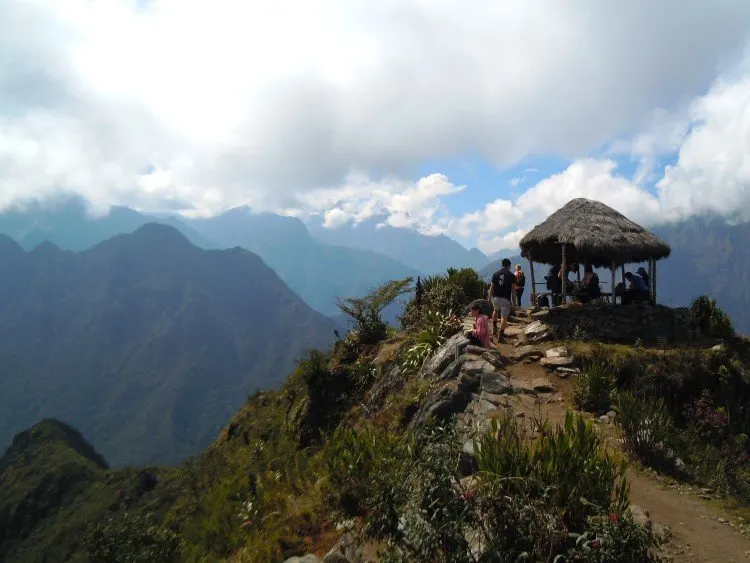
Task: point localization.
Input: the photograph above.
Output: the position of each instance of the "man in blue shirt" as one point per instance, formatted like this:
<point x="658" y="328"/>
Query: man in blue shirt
<point x="638" y="290"/>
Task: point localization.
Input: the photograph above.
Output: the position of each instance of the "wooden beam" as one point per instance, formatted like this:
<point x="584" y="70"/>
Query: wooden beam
<point x="532" y="297"/>
<point x="564" y="276"/>
<point x="612" y="270"/>
<point x="623" y="273"/>
<point x="653" y="281"/>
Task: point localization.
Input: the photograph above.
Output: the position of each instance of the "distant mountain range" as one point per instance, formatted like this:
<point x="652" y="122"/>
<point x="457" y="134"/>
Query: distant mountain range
<point x="145" y="342"/>
<point x="428" y="254"/>
<point x="350" y="260"/>
<point x="317" y="272"/>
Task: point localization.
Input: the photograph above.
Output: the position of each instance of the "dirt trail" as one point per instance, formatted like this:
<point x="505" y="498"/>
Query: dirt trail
<point x="696" y="534"/>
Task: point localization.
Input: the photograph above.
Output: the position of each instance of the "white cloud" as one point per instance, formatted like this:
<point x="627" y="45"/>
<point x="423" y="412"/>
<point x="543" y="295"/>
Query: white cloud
<point x="402" y="203"/>
<point x="326" y="107"/>
<point x="245" y="102"/>
<point x="712" y="172"/>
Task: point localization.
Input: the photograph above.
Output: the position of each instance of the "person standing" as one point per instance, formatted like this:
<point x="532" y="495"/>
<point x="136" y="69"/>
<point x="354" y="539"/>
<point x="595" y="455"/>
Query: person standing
<point x="520" y="284"/>
<point x="501" y="290"/>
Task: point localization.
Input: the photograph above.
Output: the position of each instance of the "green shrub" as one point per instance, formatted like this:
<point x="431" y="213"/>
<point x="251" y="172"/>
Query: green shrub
<point x="418" y="507"/>
<point x="362" y="464"/>
<point x="613" y="538"/>
<point x="131" y="539"/>
<point x="471" y="283"/>
<point x="647" y="427"/>
<point x="436" y="328"/>
<point x="567" y="465"/>
<point x="710" y="319"/>
<point x="443" y="294"/>
<point x="365" y="311"/>
<point x="595" y="385"/>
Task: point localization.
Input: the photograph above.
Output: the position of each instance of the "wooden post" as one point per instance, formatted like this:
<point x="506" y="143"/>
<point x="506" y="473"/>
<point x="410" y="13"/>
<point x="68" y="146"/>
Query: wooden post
<point x="653" y="281"/>
<point x="564" y="275"/>
<point x="623" y="273"/>
<point x="532" y="297"/>
<point x="612" y="270"/>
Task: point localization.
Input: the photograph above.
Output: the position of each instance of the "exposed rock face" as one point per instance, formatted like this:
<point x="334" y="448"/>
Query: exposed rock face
<point x="496" y="383"/>
<point x="542" y="385"/>
<point x="557" y="352"/>
<point x="442" y="356"/>
<point x="527" y="351"/>
<point x="453" y="397"/>
<point x="561" y="362"/>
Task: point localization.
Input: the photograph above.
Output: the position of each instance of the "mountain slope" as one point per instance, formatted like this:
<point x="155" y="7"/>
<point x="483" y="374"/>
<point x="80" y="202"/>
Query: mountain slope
<point x="54" y="484"/>
<point x="429" y="254"/>
<point x="144" y="328"/>
<point x="318" y="273"/>
<point x="708" y="257"/>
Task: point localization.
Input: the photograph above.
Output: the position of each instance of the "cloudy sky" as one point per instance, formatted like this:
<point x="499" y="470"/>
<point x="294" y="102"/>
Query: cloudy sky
<point x="470" y="118"/>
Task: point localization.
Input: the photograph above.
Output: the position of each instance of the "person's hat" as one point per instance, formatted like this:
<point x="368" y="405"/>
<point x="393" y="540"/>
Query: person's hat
<point x="641" y="270"/>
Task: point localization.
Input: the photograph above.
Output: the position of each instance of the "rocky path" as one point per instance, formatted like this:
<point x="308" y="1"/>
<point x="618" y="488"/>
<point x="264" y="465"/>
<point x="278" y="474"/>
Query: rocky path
<point x="695" y="529"/>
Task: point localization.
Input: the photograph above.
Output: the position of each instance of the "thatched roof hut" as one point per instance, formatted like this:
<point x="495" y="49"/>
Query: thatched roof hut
<point x="584" y="231"/>
<point x="593" y="233"/>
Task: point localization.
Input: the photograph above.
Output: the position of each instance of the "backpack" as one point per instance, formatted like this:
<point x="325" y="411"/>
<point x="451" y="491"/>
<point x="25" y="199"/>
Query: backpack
<point x="521" y="280"/>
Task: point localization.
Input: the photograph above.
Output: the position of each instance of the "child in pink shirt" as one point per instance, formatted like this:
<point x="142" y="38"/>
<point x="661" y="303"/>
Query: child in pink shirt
<point x="480" y="336"/>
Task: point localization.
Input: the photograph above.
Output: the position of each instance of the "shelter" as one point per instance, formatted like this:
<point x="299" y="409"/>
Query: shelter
<point x="589" y="232"/>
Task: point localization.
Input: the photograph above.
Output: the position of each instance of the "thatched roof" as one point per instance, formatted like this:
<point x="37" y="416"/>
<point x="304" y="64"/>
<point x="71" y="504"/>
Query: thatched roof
<point x="593" y="232"/>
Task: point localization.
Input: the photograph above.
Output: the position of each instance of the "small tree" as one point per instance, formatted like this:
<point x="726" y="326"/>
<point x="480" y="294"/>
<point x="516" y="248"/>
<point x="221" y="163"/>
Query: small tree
<point x="365" y="311"/>
<point x="710" y="319"/>
<point x="419" y="293"/>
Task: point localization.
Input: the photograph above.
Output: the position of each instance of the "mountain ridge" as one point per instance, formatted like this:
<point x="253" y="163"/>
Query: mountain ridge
<point x="150" y="327"/>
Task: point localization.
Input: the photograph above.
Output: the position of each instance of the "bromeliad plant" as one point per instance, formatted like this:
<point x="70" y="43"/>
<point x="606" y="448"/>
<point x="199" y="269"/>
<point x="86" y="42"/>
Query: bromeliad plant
<point x="436" y="328"/>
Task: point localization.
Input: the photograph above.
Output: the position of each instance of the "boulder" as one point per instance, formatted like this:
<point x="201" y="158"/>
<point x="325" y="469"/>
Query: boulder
<point x="335" y="557"/>
<point x="514" y="331"/>
<point x="566" y="372"/>
<point x="443" y="356"/>
<point x="542" y="385"/>
<point x="541" y="315"/>
<point x="452" y="398"/>
<point x="556" y="362"/>
<point x="535" y="329"/>
<point x="309" y="558"/>
<point x="527" y="351"/>
<point x="522" y="387"/>
<point x="495" y="383"/>
<point x="643" y="519"/>
<point x="453" y="369"/>
<point x="557" y="352"/>
<point x="494" y="357"/>
<point x="494" y="398"/>
<point x="476" y="367"/>
<point x="484" y="407"/>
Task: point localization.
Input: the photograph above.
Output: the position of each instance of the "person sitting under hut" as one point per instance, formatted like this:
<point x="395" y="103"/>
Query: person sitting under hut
<point x="644" y="275"/>
<point x="590" y="289"/>
<point x="637" y="289"/>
